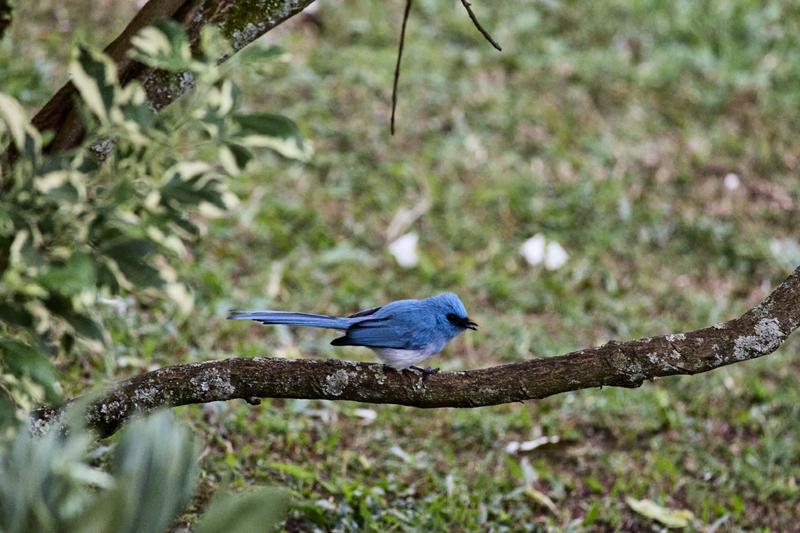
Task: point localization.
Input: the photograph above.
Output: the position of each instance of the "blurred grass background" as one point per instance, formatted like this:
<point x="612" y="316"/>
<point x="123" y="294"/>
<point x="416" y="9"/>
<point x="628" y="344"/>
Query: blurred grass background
<point x="656" y="142"/>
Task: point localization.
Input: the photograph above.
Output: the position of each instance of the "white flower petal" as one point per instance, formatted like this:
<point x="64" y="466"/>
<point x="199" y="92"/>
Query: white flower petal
<point x="533" y="249"/>
<point x="368" y="415"/>
<point x="529" y="445"/>
<point x="404" y="250"/>
<point x="731" y="182"/>
<point x="512" y="447"/>
<point x="555" y="256"/>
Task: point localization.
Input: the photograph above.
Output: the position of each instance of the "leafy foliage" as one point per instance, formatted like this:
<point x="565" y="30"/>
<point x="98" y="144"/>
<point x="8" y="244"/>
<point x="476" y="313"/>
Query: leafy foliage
<point x="109" y="219"/>
<point x="260" y="509"/>
<point x="53" y="482"/>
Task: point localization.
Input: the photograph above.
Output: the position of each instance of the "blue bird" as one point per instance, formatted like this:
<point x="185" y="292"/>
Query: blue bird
<point x="402" y="334"/>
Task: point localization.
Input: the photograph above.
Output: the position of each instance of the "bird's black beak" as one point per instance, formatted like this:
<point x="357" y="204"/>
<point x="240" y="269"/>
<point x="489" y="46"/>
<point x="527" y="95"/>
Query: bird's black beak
<point x="470" y="324"/>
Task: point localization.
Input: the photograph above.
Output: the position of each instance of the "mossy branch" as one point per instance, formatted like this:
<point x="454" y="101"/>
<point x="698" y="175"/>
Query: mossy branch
<point x="242" y="21"/>
<point x="760" y="331"/>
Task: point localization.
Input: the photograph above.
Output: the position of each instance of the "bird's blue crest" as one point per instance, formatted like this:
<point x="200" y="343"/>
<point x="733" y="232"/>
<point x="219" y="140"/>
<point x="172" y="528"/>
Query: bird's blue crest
<point x="450" y="303"/>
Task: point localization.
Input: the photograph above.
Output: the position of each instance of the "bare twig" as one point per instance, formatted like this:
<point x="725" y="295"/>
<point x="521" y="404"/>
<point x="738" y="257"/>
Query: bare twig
<point x="760" y="331"/>
<point x="477" y="24"/>
<point x="399" y="59"/>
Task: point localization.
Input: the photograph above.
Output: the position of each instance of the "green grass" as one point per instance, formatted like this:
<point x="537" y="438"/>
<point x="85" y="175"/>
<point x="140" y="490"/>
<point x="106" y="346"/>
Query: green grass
<point x="607" y="126"/>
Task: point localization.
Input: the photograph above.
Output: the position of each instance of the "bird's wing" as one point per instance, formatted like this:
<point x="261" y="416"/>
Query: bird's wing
<point x="402" y="327"/>
<point x="375" y="333"/>
<point x="365" y="312"/>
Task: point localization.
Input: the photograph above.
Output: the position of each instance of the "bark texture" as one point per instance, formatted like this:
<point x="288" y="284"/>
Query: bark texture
<point x="760" y="331"/>
<point x="241" y="21"/>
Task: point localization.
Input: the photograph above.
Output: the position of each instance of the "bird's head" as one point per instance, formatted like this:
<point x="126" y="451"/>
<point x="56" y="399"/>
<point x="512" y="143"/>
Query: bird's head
<point x="454" y="311"/>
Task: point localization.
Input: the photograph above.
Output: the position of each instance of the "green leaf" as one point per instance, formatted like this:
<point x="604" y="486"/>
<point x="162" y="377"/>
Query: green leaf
<point x="76" y="275"/>
<point x="189" y="184"/>
<point x="164" y="46"/>
<point x="14" y="118"/>
<point x="6" y="222"/>
<point x="95" y="77"/>
<point x="67" y="186"/>
<point x="7" y="410"/>
<point x="67" y="343"/>
<point x="16" y="122"/>
<point x="186" y="227"/>
<point x="106" y="278"/>
<point x="129" y="256"/>
<point x="16" y="314"/>
<point x="139" y="114"/>
<point x="277" y="132"/>
<point x="674" y="518"/>
<point x="261" y="509"/>
<point x="267" y="124"/>
<point x="214" y="46"/>
<point x="22" y="360"/>
<point x="542" y="499"/>
<point x="45" y="479"/>
<point x="257" y="53"/>
<point x="23" y="252"/>
<point x="234" y="157"/>
<point x="83" y="325"/>
<point x="219" y="103"/>
<point x="155" y="471"/>
<point x="294" y="471"/>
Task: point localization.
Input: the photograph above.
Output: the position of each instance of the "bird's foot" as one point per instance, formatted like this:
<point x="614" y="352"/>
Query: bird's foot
<point x="253" y="400"/>
<point x="428" y="371"/>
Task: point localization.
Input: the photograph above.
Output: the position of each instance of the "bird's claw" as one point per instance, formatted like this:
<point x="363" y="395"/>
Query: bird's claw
<point x="253" y="400"/>
<point x="428" y="371"/>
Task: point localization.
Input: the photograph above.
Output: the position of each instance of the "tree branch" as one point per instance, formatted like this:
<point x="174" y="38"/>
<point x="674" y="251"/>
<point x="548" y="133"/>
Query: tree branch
<point x="241" y="21"/>
<point x="760" y="331"/>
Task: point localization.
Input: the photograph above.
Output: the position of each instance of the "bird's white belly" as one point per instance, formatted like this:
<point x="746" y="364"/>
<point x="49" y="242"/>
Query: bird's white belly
<point x="401" y="359"/>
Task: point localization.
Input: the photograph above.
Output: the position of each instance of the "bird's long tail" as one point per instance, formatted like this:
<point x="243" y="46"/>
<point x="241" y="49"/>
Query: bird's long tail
<point x="292" y="319"/>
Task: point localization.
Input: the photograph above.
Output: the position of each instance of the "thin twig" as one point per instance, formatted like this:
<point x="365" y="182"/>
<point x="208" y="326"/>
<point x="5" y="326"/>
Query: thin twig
<point x="478" y="25"/>
<point x="399" y="58"/>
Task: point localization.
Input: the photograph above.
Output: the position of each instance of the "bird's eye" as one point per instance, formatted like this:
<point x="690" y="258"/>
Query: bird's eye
<point x="455" y="319"/>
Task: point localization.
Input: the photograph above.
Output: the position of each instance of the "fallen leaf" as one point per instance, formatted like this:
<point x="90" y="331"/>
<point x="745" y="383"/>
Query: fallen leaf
<point x="676" y="518"/>
<point x="542" y="499"/>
